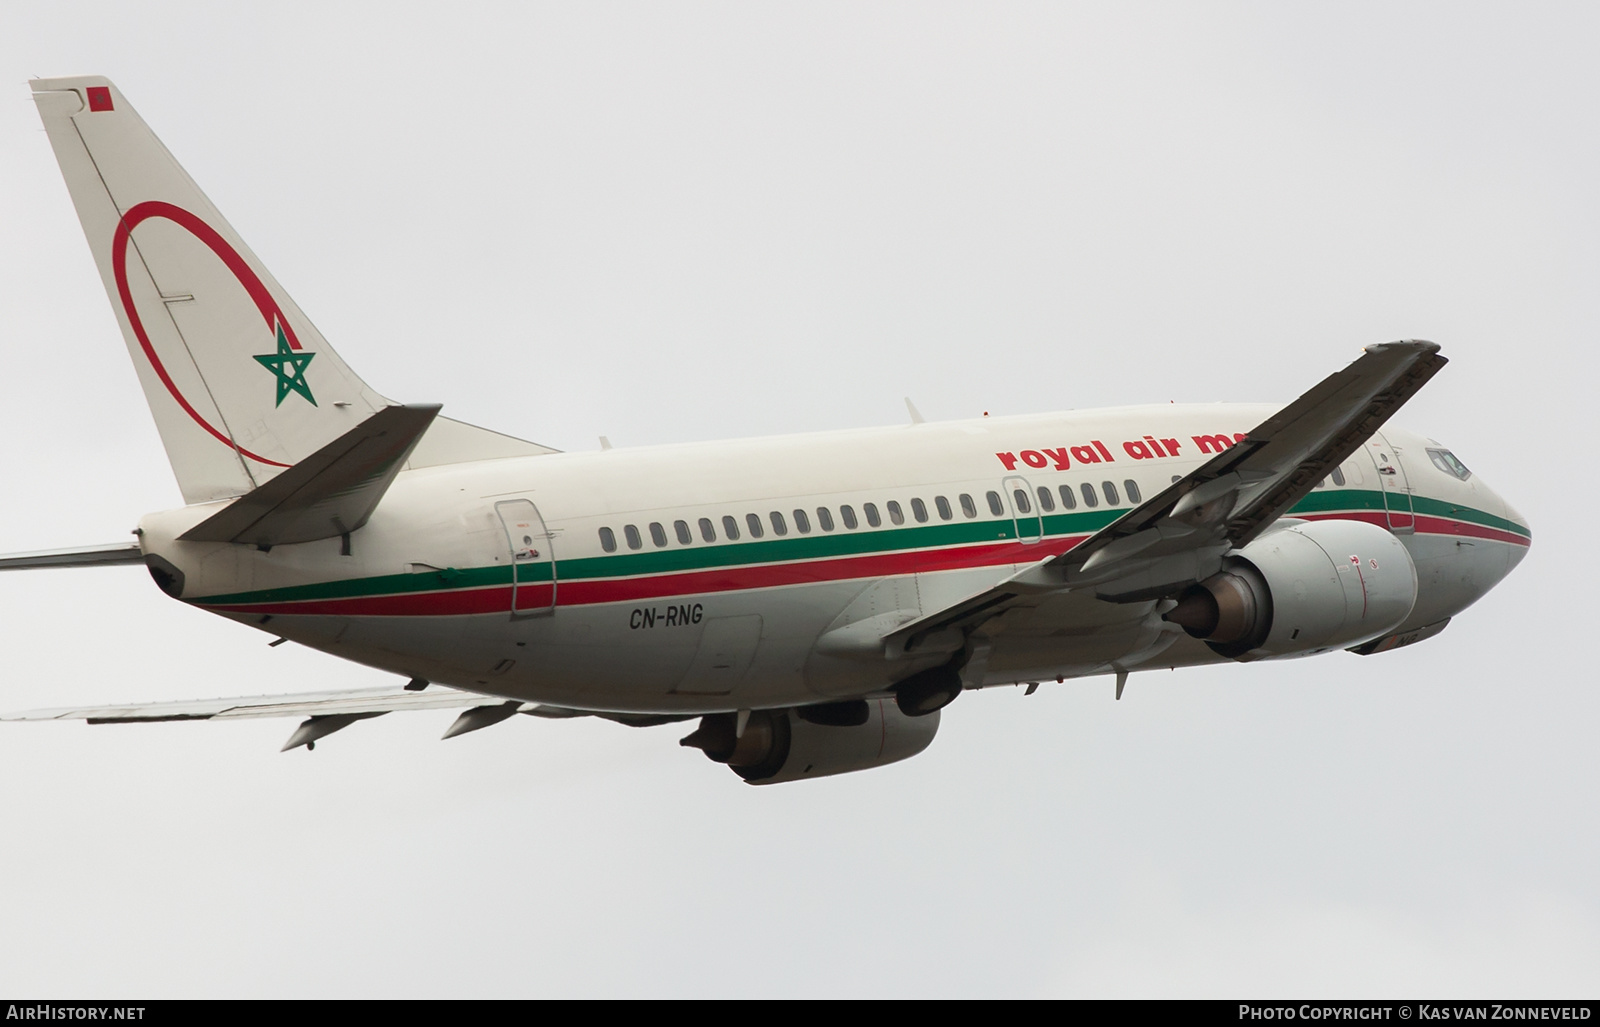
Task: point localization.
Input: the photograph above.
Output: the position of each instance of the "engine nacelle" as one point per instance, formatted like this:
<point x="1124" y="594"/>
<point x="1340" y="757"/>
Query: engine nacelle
<point x="813" y="741"/>
<point x="1304" y="588"/>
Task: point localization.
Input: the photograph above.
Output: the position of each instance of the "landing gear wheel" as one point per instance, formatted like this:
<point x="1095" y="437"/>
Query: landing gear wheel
<point x="926" y="691"/>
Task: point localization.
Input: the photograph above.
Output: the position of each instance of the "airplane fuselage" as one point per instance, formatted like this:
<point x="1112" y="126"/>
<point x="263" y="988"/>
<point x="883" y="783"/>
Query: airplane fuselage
<point x="760" y="573"/>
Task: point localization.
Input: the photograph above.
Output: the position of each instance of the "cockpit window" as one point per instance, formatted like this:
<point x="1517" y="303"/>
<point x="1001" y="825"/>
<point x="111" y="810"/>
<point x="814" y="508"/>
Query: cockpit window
<point x="1446" y="461"/>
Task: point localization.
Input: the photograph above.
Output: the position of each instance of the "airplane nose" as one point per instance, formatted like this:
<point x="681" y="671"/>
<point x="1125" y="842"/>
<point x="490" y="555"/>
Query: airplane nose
<point x="1517" y="552"/>
<point x="1520" y="521"/>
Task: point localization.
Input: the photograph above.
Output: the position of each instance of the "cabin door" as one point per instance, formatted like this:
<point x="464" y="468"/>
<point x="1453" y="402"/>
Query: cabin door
<point x="1392" y="480"/>
<point x="533" y="564"/>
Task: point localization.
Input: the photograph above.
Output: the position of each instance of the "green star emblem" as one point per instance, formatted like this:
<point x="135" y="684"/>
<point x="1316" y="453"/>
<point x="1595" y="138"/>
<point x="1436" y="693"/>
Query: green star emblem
<point x="289" y="367"/>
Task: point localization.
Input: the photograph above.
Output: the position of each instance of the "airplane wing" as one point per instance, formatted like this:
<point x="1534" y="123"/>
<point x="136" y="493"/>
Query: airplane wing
<point x="304" y="704"/>
<point x="1180" y="536"/>
<point x="327" y="712"/>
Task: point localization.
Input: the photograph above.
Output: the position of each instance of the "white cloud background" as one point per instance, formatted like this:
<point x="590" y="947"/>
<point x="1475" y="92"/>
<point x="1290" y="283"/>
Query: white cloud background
<point x="691" y="221"/>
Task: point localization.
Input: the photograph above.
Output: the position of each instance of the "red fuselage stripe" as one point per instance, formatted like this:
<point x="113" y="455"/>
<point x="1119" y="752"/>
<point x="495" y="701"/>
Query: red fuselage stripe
<point x="1426" y="525"/>
<point x="589" y="592"/>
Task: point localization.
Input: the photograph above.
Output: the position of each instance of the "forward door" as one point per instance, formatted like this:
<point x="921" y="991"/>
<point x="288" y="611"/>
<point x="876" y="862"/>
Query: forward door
<point x="1392" y="480"/>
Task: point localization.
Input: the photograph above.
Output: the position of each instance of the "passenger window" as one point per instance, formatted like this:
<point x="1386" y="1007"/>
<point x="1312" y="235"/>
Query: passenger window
<point x="1338" y="477"/>
<point x="871" y="510"/>
<point x="968" y="507"/>
<point x="658" y="534"/>
<point x="608" y="540"/>
<point x="1111" y="493"/>
<point x="682" y="528"/>
<point x="631" y="533"/>
<point x="1046" y="501"/>
<point x="1089" y="498"/>
<point x="779" y="526"/>
<point x="824" y="518"/>
<point x="896" y="515"/>
<point x="753" y="522"/>
<point x="1068" y="500"/>
<point x="847" y="514"/>
<point x="995" y="506"/>
<point x="802" y="523"/>
<point x="919" y="510"/>
<point x="943" y="506"/>
<point x="707" y="530"/>
<point x="1132" y="488"/>
<point x="1021" y="496"/>
<point x="730" y="528"/>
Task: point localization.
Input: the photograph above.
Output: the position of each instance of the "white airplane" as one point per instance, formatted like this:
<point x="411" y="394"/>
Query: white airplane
<point x="814" y="600"/>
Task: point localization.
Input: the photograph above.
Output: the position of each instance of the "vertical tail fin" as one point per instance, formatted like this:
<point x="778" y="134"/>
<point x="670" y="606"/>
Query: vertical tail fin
<point x="240" y="382"/>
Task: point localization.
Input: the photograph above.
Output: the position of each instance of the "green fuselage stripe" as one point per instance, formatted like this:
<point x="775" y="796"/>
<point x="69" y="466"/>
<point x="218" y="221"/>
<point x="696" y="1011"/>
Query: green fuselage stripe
<point x="840" y="543"/>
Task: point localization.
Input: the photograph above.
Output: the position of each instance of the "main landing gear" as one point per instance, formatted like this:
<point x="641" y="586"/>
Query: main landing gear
<point x="928" y="690"/>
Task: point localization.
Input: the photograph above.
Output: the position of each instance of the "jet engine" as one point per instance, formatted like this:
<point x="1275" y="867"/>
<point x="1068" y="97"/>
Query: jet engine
<point x="1304" y="588"/>
<point x="813" y="741"/>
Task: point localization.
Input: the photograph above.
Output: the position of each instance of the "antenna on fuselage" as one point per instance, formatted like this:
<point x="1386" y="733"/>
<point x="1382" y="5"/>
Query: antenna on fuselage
<point x="916" y="415"/>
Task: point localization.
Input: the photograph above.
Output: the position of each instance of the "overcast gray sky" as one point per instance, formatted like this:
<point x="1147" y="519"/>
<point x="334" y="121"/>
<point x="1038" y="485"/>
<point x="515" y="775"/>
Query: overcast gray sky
<point x="669" y="222"/>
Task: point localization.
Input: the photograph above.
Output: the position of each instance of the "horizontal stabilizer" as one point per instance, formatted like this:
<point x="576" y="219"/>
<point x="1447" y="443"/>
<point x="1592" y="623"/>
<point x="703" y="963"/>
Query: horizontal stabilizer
<point x="78" y="556"/>
<point x="331" y="492"/>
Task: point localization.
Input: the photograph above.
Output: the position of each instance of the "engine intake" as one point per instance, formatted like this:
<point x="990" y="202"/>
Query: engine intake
<point x="813" y="741"/>
<point x="1304" y="588"/>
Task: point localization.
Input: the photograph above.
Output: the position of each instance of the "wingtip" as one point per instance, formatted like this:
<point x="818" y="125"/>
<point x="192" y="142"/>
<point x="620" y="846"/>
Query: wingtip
<point x="1414" y="345"/>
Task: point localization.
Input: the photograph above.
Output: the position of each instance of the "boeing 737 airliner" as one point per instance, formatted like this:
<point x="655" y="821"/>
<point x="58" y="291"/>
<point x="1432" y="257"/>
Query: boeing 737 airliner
<point x="813" y="601"/>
